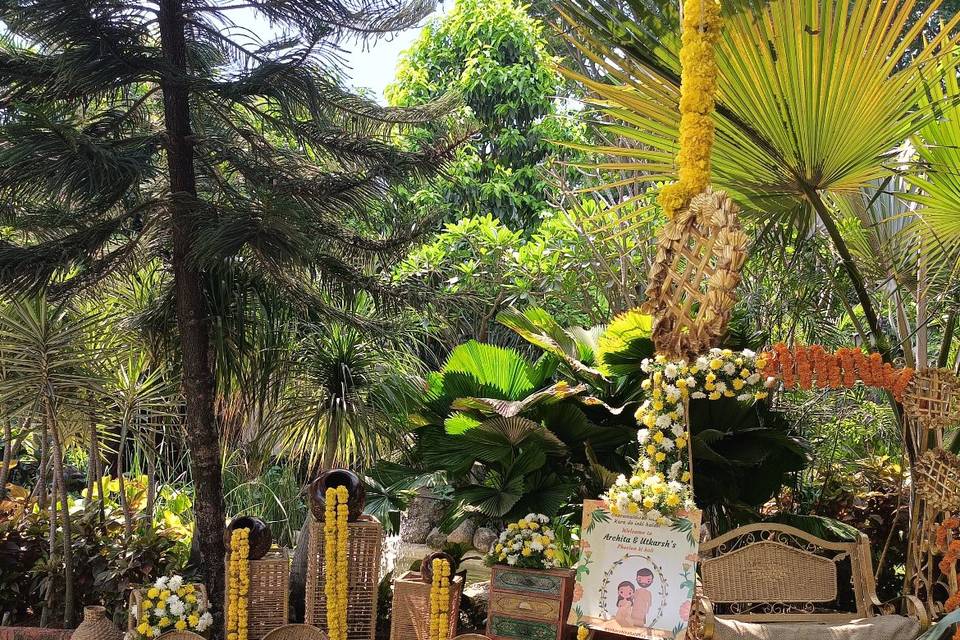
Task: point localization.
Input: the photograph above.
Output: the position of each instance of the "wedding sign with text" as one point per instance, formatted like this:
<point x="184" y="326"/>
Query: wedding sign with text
<point x="635" y="577"/>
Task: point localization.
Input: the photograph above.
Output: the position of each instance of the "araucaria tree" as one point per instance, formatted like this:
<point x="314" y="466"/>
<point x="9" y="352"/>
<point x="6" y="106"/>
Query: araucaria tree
<point x="143" y="129"/>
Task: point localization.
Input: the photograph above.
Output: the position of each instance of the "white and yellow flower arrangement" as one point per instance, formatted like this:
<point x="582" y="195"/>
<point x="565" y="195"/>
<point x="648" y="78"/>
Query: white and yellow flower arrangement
<point x="660" y="486"/>
<point x="171" y="604"/>
<point x="440" y="600"/>
<point x="528" y="543"/>
<point x="239" y="577"/>
<point x="336" y="531"/>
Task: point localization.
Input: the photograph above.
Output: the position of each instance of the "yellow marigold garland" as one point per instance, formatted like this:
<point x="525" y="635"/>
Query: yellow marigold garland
<point x="336" y="533"/>
<point x="440" y="600"/>
<point x="698" y="88"/>
<point x="239" y="576"/>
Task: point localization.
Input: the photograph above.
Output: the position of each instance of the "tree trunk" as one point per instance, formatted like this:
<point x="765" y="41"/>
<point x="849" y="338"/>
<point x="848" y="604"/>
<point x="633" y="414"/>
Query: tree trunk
<point x="60" y="489"/>
<point x="856" y="278"/>
<point x="122" y="481"/>
<point x="192" y="322"/>
<point x="7" y="456"/>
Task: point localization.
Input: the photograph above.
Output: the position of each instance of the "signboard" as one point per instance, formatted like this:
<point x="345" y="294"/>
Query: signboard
<point x="635" y="577"/>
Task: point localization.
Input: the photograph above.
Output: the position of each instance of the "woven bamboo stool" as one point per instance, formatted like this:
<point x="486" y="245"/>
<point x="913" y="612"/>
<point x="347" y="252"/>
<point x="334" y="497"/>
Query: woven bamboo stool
<point x="411" y="607"/>
<point x="296" y="632"/>
<point x="180" y="635"/>
<point x="364" y="545"/>
<point x="268" y="600"/>
<point x="137" y="596"/>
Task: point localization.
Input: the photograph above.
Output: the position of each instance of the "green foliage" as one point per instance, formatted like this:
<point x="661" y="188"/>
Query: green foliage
<point x="106" y="563"/>
<point x="509" y="440"/>
<point x="494" y="55"/>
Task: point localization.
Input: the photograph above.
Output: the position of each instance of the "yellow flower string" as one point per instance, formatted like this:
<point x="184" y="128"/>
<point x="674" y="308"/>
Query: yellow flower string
<point x="336" y="534"/>
<point x="440" y="600"/>
<point x="582" y="633"/>
<point x="239" y="576"/>
<point x="698" y="88"/>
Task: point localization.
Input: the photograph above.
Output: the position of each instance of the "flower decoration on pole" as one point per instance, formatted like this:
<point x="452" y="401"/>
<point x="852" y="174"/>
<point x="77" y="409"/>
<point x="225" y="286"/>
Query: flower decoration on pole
<point x="171" y="604"/>
<point x="440" y="600"/>
<point x="239" y="577"/>
<point x="698" y="88"/>
<point x="335" y="530"/>
<point x="661" y="483"/>
<point x="529" y="543"/>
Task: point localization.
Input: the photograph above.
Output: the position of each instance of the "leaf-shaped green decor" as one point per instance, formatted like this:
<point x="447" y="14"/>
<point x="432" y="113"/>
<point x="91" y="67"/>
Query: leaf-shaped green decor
<point x="598" y="516"/>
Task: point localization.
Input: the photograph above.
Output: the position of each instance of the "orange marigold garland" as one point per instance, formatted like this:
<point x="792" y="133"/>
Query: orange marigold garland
<point x="949" y="545"/>
<point x="814" y="367"/>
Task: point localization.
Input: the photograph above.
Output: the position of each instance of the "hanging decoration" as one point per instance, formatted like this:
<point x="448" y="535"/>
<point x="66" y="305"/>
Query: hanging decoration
<point x="239" y="588"/>
<point x="661" y="483"/>
<point x="809" y="367"/>
<point x="335" y="532"/>
<point x="698" y="89"/>
<point x="440" y="600"/>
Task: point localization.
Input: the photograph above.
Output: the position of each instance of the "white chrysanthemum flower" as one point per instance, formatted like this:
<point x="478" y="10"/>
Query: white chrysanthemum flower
<point x="673" y="394"/>
<point x="159" y="612"/>
<point x="622" y="480"/>
<point x="703" y="363"/>
<point x="651" y="481"/>
<point x="674" y="472"/>
<point x="691" y="382"/>
<point x="536" y="545"/>
<point x="177" y="608"/>
<point x="637" y="495"/>
<point x="747" y="353"/>
<point x="676" y="487"/>
<point x="721" y="387"/>
<point x="743" y="397"/>
<point x="654" y="514"/>
<point x="549" y="533"/>
<point x="512" y="559"/>
<point x="645" y="365"/>
<point x="530" y="517"/>
<point x="205" y="621"/>
<point x="642" y="436"/>
<point x="667" y="444"/>
<point x="698" y="395"/>
<point x="677" y="429"/>
<point x="161" y="582"/>
<point x="663" y="421"/>
<point x="175" y="583"/>
<point x="729" y="368"/>
<point x="622" y="502"/>
<point x="645" y="464"/>
<point x="670" y="371"/>
<point x="754" y="378"/>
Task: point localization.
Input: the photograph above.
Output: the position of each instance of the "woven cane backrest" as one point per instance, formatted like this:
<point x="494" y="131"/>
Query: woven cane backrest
<point x="694" y="274"/>
<point x="933" y="398"/>
<point x="296" y="632"/>
<point x="937" y="476"/>
<point x="772" y="572"/>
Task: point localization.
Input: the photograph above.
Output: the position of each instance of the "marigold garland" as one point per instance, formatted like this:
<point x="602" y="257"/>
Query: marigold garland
<point x="440" y="600"/>
<point x="814" y="367"/>
<point x="239" y="577"/>
<point x="949" y="545"/>
<point x="698" y="88"/>
<point x="335" y="536"/>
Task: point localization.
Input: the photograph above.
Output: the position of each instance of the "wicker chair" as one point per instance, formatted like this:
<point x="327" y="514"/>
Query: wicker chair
<point x="772" y="573"/>
<point x="296" y="632"/>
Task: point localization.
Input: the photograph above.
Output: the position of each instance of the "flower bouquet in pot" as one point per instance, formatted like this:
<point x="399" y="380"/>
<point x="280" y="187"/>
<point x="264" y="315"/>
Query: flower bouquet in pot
<point x="170" y="604"/>
<point x="531" y="587"/>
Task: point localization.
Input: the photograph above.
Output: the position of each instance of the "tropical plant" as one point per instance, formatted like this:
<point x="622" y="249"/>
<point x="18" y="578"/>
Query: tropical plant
<point x="781" y="109"/>
<point x="152" y="130"/>
<point x="508" y="438"/>
<point x="494" y="54"/>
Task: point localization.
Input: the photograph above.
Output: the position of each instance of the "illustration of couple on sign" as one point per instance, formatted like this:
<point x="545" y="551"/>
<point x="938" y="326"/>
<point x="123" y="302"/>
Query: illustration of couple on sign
<point x="633" y="601"/>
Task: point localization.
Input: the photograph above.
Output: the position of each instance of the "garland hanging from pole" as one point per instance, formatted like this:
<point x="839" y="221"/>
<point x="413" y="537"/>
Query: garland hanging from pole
<point x="239" y="576"/>
<point x="440" y="600"/>
<point x="701" y="26"/>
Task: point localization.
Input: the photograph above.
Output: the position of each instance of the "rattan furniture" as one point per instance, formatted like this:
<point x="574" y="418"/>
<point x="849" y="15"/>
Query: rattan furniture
<point x="410" y="619"/>
<point x="364" y="544"/>
<point x="268" y="598"/>
<point x="773" y="573"/>
<point x="296" y="632"/>
<point x="529" y="604"/>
